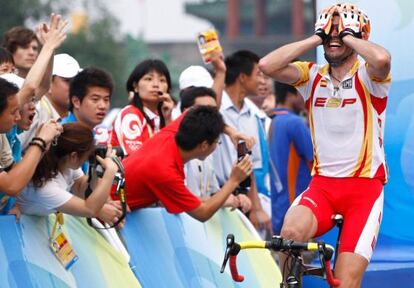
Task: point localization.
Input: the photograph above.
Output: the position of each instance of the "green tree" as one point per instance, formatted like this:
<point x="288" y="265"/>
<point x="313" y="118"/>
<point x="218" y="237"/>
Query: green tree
<point x="99" y="45"/>
<point x="17" y="13"/>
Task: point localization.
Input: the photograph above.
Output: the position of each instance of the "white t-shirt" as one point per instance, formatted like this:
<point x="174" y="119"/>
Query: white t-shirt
<point x="53" y="194"/>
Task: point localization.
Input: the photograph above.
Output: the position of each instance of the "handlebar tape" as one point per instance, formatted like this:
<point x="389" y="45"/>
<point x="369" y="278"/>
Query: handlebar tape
<point x="329" y="275"/>
<point x="233" y="269"/>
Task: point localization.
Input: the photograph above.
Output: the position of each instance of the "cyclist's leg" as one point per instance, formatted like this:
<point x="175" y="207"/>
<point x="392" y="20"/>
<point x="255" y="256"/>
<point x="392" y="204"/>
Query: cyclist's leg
<point x="309" y="215"/>
<point x="362" y="217"/>
<point x="299" y="230"/>
<point x="349" y="269"/>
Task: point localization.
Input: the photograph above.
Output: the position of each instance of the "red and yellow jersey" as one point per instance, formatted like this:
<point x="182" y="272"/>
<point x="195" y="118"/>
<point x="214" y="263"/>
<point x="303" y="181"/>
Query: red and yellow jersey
<point x="130" y="130"/>
<point x="346" y="122"/>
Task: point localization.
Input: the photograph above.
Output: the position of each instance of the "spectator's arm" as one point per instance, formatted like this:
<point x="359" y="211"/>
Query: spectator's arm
<point x="80" y="186"/>
<point x="13" y="181"/>
<point x="93" y="204"/>
<point x="219" y="77"/>
<point x="258" y="216"/>
<point x="44" y="86"/>
<point x="53" y="38"/>
<point x="207" y="208"/>
<point x="235" y="136"/>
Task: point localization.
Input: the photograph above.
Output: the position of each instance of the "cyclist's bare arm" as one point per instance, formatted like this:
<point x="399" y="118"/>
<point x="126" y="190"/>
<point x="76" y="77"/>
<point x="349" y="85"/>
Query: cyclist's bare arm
<point x="377" y="57"/>
<point x="277" y="64"/>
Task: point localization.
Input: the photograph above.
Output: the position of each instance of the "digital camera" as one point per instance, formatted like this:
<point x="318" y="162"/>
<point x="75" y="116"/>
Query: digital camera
<point x="241" y="152"/>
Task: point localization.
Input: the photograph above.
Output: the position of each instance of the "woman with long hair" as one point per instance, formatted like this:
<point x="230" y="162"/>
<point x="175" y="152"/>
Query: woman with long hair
<point x="150" y="107"/>
<point x="59" y="173"/>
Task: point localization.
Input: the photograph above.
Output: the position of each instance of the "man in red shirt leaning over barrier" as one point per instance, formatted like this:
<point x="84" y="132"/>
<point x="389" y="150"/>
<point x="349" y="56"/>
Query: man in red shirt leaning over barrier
<point x="155" y="173"/>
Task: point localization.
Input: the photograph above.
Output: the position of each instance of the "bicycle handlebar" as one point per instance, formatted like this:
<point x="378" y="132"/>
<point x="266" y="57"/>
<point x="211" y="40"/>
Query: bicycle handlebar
<point x="279" y="244"/>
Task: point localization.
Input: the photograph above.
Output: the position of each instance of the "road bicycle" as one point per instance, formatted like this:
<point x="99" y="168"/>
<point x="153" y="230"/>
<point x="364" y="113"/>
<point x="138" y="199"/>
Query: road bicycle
<point x="293" y="249"/>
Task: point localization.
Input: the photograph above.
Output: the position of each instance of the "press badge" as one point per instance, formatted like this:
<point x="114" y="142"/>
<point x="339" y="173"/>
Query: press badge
<point x="63" y="250"/>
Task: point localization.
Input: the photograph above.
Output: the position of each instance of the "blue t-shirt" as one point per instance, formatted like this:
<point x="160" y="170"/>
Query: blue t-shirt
<point x="14" y="142"/>
<point x="290" y="150"/>
<point x="71" y="118"/>
<point x="6" y="202"/>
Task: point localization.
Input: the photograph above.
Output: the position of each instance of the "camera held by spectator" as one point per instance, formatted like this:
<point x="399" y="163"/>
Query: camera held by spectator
<point x="242" y="151"/>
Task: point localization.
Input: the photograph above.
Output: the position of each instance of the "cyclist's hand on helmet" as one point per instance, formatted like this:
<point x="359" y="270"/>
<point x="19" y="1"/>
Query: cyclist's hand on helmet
<point x="350" y="21"/>
<point x="324" y="22"/>
<point x="242" y="169"/>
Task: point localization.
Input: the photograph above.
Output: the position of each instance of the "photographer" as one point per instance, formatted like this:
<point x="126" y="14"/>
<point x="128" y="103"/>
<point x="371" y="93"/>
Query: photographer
<point x="201" y="179"/>
<point x="194" y="135"/>
<point x="59" y="172"/>
<point x="90" y="93"/>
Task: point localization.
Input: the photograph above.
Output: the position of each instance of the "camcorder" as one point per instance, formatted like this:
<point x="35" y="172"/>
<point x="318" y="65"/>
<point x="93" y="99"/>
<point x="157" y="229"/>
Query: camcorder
<point x="242" y="151"/>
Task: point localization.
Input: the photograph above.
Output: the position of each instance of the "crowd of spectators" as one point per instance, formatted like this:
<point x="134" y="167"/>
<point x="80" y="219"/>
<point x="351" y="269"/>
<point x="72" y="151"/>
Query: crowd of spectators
<point x="178" y="153"/>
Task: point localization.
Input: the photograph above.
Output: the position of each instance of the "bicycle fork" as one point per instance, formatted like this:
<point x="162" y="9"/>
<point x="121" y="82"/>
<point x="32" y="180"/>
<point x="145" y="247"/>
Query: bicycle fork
<point x="294" y="279"/>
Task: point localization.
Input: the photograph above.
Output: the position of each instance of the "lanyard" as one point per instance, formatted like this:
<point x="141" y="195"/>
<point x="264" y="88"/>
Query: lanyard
<point x="59" y="220"/>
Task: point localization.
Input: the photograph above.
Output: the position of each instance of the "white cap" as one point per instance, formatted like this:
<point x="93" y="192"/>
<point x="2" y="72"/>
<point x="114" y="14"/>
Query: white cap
<point x="196" y="76"/>
<point x="13" y="78"/>
<point x="65" y="66"/>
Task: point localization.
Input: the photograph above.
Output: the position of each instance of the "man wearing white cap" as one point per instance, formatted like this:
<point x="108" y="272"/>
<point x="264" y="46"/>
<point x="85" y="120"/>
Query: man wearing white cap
<point x="198" y="76"/>
<point x="55" y="104"/>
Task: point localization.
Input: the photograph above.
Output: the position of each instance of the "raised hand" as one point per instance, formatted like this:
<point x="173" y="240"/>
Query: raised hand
<point x="167" y="106"/>
<point x="324" y="22"/>
<point x="350" y="20"/>
<point x="53" y="34"/>
<point x="218" y="62"/>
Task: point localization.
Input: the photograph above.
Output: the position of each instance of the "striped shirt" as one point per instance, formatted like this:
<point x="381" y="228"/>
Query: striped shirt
<point x="346" y="122"/>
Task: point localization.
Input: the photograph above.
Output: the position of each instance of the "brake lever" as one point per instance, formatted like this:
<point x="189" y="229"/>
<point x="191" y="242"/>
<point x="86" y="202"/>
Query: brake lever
<point x="229" y="245"/>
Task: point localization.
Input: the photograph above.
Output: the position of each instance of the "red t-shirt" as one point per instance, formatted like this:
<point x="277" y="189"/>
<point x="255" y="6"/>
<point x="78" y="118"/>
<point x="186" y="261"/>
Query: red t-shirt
<point x="156" y="173"/>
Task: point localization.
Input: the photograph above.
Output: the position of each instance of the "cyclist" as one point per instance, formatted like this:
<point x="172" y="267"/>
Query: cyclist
<point x="346" y="100"/>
